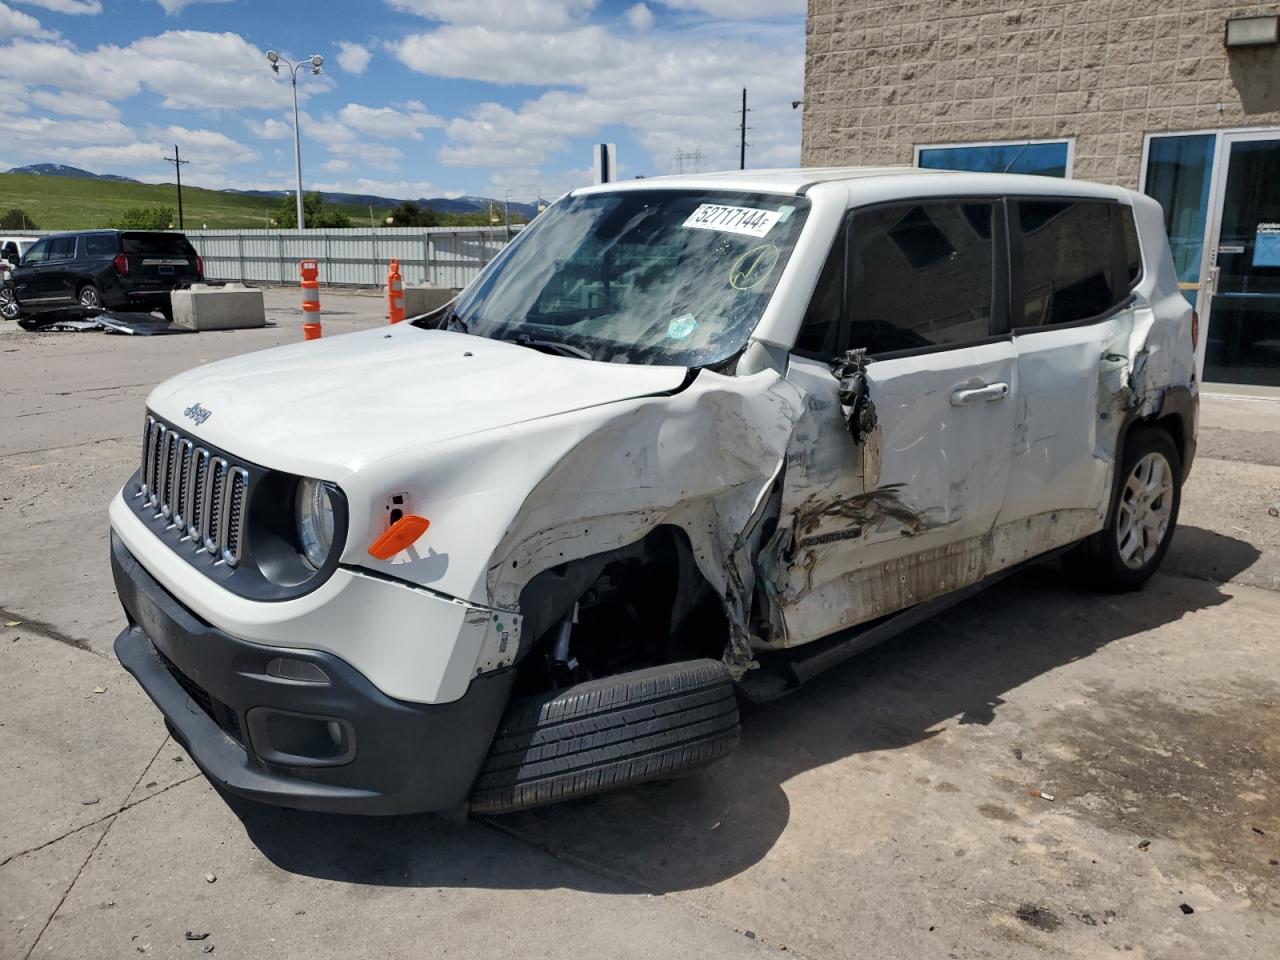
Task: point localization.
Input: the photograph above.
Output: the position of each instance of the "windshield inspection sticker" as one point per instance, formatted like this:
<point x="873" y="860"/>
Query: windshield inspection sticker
<point x="747" y="221"/>
<point x="680" y="327"/>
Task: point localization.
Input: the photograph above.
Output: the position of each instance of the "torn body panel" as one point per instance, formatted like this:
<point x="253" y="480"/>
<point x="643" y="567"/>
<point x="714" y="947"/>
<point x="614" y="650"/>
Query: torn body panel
<point x="703" y="460"/>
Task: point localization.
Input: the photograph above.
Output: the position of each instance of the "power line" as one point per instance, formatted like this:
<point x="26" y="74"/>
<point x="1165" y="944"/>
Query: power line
<point x="177" y="162"/>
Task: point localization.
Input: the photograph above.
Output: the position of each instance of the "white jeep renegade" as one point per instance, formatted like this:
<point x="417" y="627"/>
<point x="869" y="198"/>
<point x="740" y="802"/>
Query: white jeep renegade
<point x="685" y="439"/>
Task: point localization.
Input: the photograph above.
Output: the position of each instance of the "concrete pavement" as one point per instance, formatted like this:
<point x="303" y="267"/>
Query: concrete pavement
<point x="884" y="811"/>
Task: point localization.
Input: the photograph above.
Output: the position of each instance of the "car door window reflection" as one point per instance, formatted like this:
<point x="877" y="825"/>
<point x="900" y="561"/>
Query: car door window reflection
<point x="920" y="276"/>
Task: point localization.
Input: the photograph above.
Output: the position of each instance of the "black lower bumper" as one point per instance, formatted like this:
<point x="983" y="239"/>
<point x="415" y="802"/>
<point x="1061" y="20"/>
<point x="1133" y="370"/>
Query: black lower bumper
<point x="339" y="745"/>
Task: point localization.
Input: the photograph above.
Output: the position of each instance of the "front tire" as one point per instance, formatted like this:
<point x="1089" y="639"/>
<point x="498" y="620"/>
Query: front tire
<point x="1124" y="554"/>
<point x="652" y="724"/>
<point x="9" y="306"/>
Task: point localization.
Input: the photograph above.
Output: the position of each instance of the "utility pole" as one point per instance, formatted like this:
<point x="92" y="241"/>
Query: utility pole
<point x="506" y="210"/>
<point x="177" y="162"/>
<point x="742" y="134"/>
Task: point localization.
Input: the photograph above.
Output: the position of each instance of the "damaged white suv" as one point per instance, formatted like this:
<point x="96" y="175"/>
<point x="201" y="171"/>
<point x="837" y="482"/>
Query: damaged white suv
<point x="685" y="439"/>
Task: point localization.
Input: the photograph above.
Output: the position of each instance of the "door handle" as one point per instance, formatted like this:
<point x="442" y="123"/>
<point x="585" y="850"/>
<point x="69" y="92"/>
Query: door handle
<point x="992" y="391"/>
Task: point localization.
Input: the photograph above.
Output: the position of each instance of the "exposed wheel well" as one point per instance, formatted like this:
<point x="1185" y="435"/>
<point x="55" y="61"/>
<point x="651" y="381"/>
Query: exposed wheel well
<point x="638" y="606"/>
<point x="1172" y="424"/>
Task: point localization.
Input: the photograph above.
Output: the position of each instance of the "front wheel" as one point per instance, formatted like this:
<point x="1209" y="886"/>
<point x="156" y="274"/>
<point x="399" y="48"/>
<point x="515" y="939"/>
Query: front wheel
<point x="9" y="308"/>
<point x="1126" y="552"/>
<point x="652" y="724"/>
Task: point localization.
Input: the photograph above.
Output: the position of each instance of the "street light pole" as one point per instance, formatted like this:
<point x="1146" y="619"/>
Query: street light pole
<point x="314" y="62"/>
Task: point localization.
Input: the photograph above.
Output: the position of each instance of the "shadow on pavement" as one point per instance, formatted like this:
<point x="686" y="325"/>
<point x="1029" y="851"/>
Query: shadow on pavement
<point x="706" y="828"/>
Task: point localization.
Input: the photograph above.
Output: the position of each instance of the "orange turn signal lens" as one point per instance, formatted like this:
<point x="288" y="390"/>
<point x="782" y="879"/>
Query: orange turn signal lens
<point x="399" y="536"/>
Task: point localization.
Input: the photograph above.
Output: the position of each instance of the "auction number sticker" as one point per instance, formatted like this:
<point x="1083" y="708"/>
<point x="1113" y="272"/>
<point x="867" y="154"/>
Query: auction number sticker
<point x="747" y="221"/>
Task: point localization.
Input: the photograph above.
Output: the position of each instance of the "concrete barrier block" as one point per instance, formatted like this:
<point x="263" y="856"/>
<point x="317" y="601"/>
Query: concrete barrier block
<point x="230" y="307"/>
<point x="420" y="299"/>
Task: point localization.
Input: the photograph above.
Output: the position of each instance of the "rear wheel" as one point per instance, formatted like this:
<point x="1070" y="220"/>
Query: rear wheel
<point x="1124" y="554"/>
<point x="651" y="724"/>
<point x="90" y="298"/>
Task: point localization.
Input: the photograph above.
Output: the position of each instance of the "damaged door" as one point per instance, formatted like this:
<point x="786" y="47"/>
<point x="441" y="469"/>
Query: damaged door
<point x="1076" y="263"/>
<point x="891" y="504"/>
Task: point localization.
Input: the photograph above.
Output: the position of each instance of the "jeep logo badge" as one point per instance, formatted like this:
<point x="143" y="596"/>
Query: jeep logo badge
<point x="197" y="414"/>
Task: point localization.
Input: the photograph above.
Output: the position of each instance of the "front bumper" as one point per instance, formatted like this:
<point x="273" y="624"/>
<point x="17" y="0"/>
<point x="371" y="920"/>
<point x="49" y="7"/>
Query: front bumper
<point x="255" y="734"/>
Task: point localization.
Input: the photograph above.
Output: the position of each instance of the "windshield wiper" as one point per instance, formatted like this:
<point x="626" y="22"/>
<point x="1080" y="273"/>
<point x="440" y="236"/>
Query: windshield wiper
<point x="451" y="317"/>
<point x="551" y="346"/>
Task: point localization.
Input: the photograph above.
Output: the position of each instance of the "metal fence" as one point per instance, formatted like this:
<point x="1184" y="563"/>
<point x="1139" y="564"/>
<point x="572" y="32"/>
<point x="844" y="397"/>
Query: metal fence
<point x="442" y="257"/>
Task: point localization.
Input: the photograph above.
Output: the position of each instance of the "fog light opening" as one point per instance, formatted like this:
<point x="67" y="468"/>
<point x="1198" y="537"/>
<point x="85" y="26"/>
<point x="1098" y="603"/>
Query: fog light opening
<point x="299" y="671"/>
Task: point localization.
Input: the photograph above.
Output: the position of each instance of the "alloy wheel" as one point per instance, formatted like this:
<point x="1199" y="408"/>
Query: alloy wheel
<point x="1146" y="506"/>
<point x="89" y="298"/>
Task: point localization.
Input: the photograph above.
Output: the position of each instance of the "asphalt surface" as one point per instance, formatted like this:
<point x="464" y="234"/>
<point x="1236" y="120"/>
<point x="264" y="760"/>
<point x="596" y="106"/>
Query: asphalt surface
<point x="885" y="811"/>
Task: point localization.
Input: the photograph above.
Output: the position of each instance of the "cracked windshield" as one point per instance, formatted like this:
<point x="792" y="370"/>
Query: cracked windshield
<point x="645" y="276"/>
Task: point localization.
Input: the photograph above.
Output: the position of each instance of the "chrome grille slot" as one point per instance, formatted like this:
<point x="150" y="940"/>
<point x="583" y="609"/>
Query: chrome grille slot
<point x="155" y="454"/>
<point x="169" y="486"/>
<point x="179" y="503"/>
<point x="215" y="484"/>
<point x="233" y="515"/>
<point x="197" y="505"/>
<point x="148" y="452"/>
<point x="204" y="495"/>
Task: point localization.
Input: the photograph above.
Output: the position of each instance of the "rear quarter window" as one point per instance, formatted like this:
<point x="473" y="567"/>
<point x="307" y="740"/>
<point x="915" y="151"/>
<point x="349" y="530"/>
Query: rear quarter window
<point x="100" y="245"/>
<point x="157" y="244"/>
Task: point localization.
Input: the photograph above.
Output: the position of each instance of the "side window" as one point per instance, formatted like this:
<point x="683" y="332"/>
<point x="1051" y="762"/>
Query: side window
<point x="38" y="253"/>
<point x="100" y="245"/>
<point x="819" y="336"/>
<point x="920" y="275"/>
<point x="1068" y="258"/>
<point x="62" y="248"/>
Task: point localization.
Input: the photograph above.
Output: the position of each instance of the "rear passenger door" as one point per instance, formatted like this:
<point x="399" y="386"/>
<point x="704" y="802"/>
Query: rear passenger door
<point x="1075" y="263"/>
<point x="903" y="516"/>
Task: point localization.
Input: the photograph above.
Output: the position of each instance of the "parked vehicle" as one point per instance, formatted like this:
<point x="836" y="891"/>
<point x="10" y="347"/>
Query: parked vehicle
<point x="684" y="440"/>
<point x="111" y="269"/>
<point x="12" y="249"/>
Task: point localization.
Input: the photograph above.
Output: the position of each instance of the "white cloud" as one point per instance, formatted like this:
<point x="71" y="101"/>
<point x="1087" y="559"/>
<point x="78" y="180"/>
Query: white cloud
<point x="270" y="129"/>
<point x="73" y="104"/>
<point x="689" y="98"/>
<point x="380" y="155"/>
<point x="512" y="14"/>
<point x="640" y="17"/>
<point x="204" y="146"/>
<point x="500" y="56"/>
<point x="15" y="23"/>
<point x="353" y="58"/>
<point x="336" y="166"/>
<point x="72" y="7"/>
<point x="388" y="123"/>
<point x="174" y="7"/>
<point x="189" y="69"/>
<point x="739" y="9"/>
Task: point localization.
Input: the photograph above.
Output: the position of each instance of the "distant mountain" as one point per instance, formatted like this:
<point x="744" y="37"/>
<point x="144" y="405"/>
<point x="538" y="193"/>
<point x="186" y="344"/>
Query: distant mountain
<point x="62" y="170"/>
<point x="439" y="204"/>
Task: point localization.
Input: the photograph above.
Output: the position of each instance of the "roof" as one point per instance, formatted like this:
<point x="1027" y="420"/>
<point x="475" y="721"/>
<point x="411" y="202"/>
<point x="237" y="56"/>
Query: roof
<point x="788" y="180"/>
<point x="868" y="181"/>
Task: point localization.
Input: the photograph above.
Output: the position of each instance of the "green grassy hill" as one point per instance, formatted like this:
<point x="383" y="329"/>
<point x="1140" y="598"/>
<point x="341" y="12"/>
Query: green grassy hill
<point x="70" y="203"/>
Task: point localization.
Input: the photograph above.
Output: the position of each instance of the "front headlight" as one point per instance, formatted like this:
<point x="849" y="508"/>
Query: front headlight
<point x="313" y="512"/>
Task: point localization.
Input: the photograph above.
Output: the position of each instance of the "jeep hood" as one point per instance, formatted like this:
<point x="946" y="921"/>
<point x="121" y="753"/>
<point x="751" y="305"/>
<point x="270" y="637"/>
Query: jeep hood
<point x="326" y="407"/>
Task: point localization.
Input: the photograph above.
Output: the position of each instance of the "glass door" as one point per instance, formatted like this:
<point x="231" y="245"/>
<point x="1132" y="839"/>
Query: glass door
<point x="1242" y="291"/>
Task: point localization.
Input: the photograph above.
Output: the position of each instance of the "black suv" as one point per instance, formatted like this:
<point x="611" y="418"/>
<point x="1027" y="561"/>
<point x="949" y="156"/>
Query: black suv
<point x="115" y="269"/>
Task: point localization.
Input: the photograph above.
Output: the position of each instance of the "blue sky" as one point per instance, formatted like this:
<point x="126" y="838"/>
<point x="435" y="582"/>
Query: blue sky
<point x="417" y="97"/>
